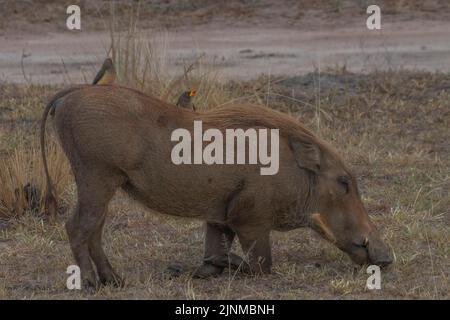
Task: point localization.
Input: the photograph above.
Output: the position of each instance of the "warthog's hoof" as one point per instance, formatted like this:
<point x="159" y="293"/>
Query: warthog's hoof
<point x="207" y="270"/>
<point x="212" y="266"/>
<point x="230" y="260"/>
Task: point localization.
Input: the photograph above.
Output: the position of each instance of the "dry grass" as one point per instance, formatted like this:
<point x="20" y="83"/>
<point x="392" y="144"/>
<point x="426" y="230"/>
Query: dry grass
<point x="391" y="128"/>
<point x="22" y="183"/>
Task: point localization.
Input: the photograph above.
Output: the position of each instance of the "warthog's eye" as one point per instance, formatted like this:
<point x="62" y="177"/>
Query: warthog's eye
<point x="345" y="182"/>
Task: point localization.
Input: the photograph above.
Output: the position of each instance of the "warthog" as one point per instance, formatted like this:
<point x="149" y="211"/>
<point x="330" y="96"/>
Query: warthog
<point x="115" y="137"/>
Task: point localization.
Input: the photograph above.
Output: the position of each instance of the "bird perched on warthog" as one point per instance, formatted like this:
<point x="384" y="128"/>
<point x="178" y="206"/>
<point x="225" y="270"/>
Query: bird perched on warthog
<point x="185" y="99"/>
<point x="121" y="138"/>
<point x="107" y="73"/>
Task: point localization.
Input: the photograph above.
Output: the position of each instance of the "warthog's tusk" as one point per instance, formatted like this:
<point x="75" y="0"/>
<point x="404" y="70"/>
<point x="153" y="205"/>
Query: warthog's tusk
<point x="365" y="242"/>
<point x="321" y="224"/>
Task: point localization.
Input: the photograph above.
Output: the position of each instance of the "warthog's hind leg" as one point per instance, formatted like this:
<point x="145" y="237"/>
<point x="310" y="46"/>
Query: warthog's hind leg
<point x="95" y="189"/>
<point x="105" y="271"/>
<point x="79" y="245"/>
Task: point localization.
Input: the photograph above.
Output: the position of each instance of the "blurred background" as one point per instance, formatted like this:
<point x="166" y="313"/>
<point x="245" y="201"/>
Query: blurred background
<point x="242" y="38"/>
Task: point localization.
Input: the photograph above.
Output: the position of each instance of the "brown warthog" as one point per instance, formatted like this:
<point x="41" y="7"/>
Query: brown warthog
<point x="115" y="137"/>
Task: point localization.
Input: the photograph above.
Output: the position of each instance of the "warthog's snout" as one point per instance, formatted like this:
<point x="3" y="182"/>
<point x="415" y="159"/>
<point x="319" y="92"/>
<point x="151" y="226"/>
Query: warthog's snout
<point x="362" y="249"/>
<point x="370" y="251"/>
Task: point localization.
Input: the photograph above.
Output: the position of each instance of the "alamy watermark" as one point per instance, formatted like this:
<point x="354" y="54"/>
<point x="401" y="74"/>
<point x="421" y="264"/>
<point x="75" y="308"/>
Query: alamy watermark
<point x="374" y="280"/>
<point x="73" y="21"/>
<point x="241" y="147"/>
<point x="373" y="22"/>
<point x="74" y="279"/>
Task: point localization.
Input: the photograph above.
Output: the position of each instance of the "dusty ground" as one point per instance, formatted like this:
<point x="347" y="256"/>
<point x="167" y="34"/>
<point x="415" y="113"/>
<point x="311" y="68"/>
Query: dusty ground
<point x="241" y="45"/>
<point x="392" y="127"/>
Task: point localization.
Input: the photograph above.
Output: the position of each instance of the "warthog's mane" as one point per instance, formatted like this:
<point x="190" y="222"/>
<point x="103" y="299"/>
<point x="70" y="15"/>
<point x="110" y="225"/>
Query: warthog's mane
<point x="253" y="116"/>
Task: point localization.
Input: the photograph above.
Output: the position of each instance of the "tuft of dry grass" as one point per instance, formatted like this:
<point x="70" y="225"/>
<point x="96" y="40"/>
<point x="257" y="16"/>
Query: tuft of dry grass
<point x="22" y="181"/>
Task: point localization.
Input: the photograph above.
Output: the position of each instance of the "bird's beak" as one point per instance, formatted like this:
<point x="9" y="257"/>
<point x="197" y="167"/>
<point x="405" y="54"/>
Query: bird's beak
<point x="192" y="93"/>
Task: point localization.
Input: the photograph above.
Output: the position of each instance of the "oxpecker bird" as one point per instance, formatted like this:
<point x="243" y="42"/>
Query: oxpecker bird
<point x="185" y="100"/>
<point x="107" y="73"/>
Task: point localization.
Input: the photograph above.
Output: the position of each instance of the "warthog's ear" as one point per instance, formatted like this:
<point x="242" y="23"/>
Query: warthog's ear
<point x="306" y="153"/>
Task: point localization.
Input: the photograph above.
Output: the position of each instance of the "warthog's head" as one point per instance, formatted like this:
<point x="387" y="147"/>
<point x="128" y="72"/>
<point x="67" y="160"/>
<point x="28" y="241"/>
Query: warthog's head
<point x="337" y="212"/>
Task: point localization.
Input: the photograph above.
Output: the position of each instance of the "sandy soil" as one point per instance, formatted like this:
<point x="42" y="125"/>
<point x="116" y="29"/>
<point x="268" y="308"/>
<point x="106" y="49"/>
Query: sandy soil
<point x="240" y="52"/>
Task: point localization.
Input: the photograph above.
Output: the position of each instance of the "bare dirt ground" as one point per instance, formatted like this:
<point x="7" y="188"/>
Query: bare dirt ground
<point x="381" y="98"/>
<point x="239" y="52"/>
<point x="241" y="45"/>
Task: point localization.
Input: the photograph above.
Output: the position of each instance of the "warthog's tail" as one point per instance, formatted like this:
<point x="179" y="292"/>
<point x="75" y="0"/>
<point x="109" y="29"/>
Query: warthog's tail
<point x="50" y="199"/>
<point x="51" y="204"/>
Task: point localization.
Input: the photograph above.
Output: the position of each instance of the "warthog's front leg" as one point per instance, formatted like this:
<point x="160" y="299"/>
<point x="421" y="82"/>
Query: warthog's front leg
<point x="230" y="260"/>
<point x="256" y="244"/>
<point x="217" y="256"/>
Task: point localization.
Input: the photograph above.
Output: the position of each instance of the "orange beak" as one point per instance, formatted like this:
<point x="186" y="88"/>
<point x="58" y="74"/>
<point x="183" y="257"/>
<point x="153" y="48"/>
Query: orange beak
<point x="192" y="93"/>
